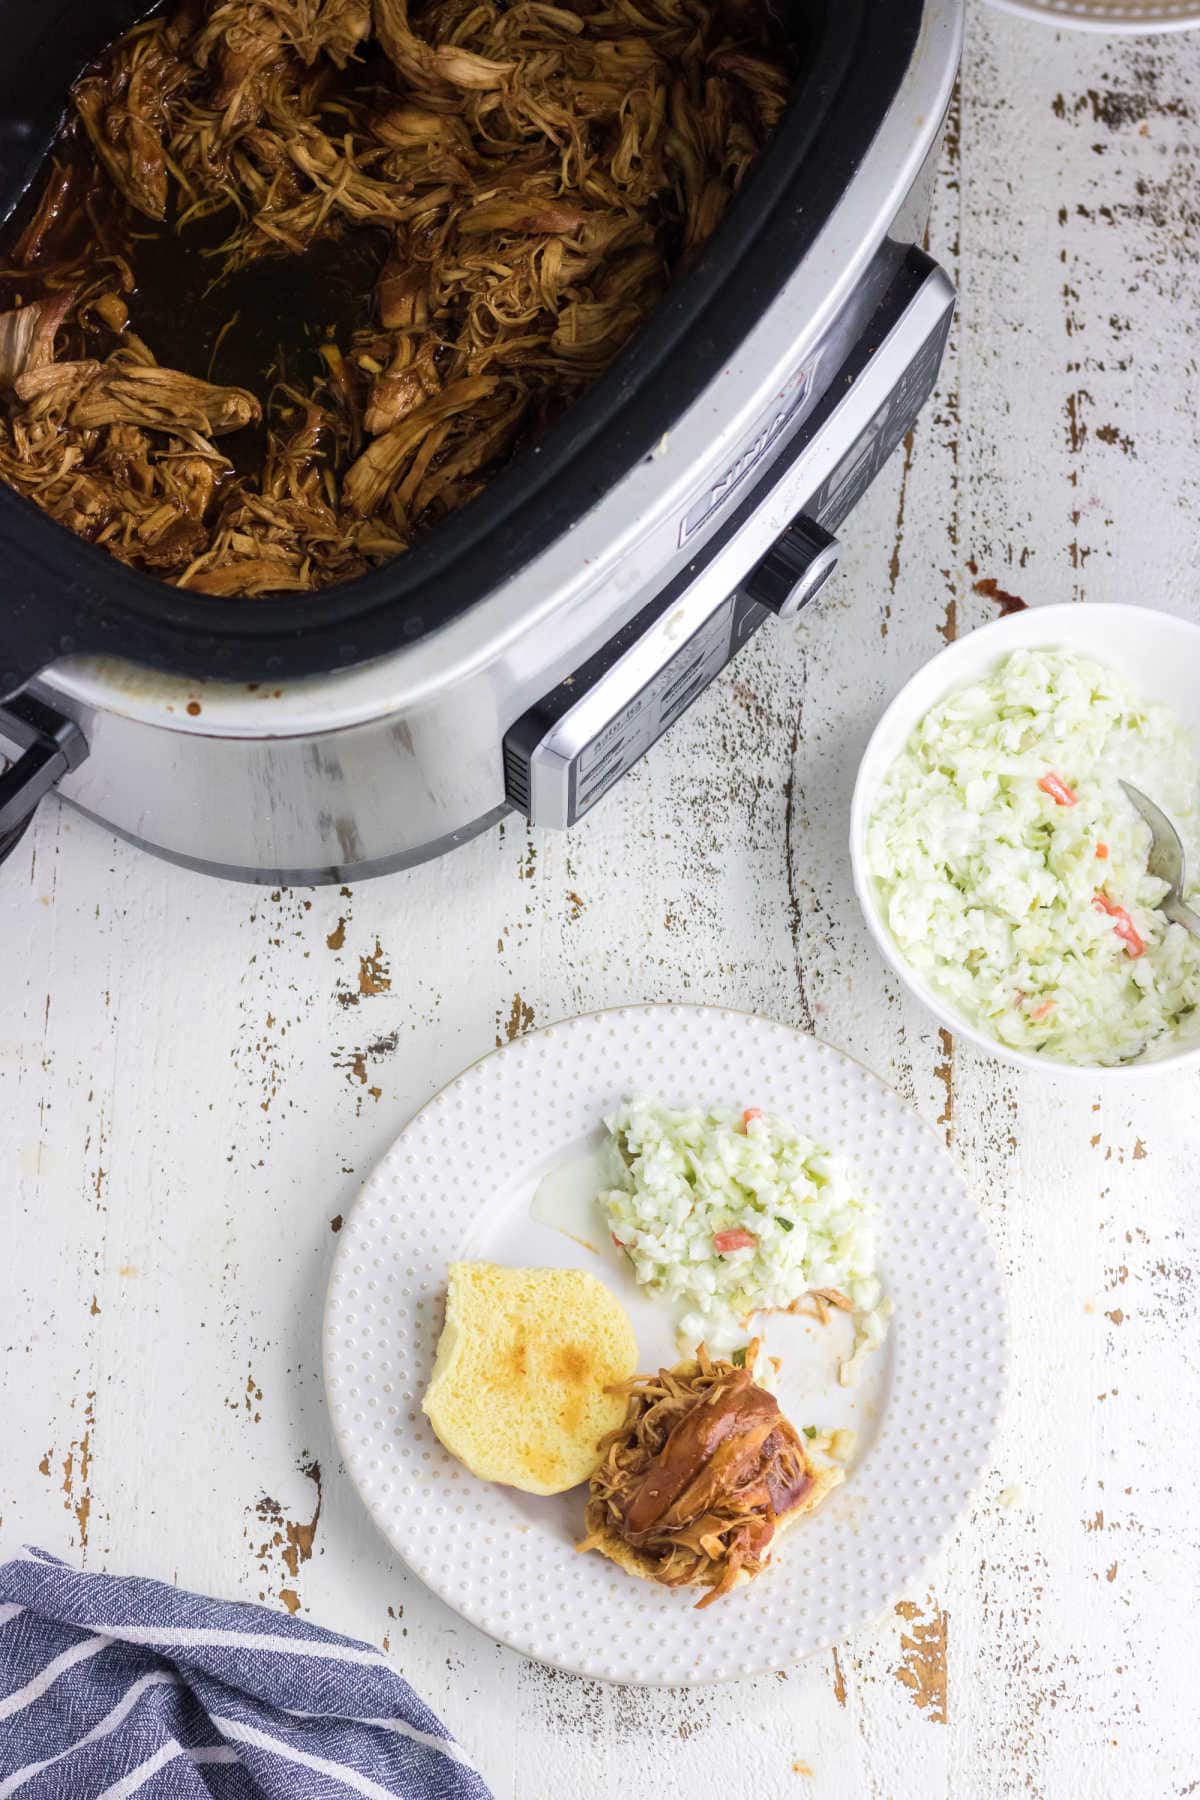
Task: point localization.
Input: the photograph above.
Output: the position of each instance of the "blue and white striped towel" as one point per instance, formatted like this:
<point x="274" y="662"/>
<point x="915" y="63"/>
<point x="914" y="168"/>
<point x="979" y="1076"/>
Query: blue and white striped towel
<point x="111" y="1687"/>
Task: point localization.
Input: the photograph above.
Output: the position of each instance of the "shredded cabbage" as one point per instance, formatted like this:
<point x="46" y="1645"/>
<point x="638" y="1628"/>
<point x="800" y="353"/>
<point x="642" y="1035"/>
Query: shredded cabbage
<point x="989" y="884"/>
<point x="693" y="1174"/>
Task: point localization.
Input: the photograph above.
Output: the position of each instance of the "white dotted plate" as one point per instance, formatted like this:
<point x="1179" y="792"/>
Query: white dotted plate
<point x="458" y="1183"/>
<point x="1109" y="15"/>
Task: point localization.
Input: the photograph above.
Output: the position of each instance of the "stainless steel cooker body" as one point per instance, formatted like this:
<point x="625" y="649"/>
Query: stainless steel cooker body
<point x="544" y="692"/>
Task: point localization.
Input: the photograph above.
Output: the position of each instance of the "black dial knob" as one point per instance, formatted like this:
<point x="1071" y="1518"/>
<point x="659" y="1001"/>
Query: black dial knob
<point x="795" y="567"/>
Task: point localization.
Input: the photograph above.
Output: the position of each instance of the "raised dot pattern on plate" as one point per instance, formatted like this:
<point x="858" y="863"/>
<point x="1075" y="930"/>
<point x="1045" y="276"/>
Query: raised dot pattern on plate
<point x="529" y="1587"/>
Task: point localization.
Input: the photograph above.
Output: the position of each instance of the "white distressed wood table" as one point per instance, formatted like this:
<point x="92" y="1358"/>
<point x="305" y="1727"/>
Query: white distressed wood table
<point x="195" y="1077"/>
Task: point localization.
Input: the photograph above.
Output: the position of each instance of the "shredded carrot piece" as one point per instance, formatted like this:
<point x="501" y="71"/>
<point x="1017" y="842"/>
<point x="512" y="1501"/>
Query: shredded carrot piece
<point x="1059" y="792"/>
<point x="1123" y="925"/>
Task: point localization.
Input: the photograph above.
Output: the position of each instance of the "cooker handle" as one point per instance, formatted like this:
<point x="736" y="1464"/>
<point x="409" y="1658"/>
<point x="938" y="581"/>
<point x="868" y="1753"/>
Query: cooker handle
<point x="51" y="745"/>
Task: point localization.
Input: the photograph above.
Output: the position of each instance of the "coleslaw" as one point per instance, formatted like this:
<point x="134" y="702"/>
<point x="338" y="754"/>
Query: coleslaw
<point x="728" y="1214"/>
<point x="1011" y="866"/>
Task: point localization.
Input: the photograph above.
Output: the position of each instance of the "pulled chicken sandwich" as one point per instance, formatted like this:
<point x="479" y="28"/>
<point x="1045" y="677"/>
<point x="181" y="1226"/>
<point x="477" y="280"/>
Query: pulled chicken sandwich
<point x="519" y="181"/>
<point x="700" y="1478"/>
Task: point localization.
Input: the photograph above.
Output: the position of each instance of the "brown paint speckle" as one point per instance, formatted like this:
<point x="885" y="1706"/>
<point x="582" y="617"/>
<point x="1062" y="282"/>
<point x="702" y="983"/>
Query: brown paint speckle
<point x="337" y="936"/>
<point x="518" y="1020"/>
<point x="291" y="1539"/>
<point x="839" y="1680"/>
<point x="76" y="1468"/>
<point x="948" y="628"/>
<point x="922" y="1668"/>
<point x="252" y="1399"/>
<point x="354" y="1062"/>
<point x="193" y="707"/>
<point x="335" y="1224"/>
<point x="898" y="540"/>
<point x="944" y="1072"/>
<point x="300" y="1537"/>
<point x="1111" y="434"/>
<point x="1008" y="603"/>
<point x="374" y="975"/>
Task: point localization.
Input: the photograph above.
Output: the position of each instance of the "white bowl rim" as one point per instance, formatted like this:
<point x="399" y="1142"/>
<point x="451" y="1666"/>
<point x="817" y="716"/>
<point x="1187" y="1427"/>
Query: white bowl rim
<point x="1109" y="25"/>
<point x="946" y="1013"/>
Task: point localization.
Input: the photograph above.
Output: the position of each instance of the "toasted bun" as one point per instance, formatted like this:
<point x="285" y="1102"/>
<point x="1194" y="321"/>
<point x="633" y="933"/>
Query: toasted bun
<point x="603" y="1536"/>
<point x="518" y="1387"/>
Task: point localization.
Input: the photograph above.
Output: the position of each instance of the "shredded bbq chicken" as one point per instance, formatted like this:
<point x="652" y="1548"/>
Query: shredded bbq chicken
<point x="698" y="1474"/>
<point x="534" y="176"/>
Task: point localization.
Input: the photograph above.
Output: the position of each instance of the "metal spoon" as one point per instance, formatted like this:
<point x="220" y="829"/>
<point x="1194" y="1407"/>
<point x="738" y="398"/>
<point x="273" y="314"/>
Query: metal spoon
<point x="1166" y="860"/>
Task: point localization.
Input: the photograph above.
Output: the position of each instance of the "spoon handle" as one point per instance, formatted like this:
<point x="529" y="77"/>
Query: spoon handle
<point x="1181" y="914"/>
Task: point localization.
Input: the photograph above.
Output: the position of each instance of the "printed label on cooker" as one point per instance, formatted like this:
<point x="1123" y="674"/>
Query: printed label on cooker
<point x="639" y="724"/>
<point x="788" y="402"/>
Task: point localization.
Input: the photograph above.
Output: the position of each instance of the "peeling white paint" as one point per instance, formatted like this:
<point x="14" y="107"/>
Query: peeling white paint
<point x="184" y="1119"/>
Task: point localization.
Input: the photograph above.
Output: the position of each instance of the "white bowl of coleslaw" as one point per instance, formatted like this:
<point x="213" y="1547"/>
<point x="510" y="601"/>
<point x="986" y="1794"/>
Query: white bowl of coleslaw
<point x="999" y="869"/>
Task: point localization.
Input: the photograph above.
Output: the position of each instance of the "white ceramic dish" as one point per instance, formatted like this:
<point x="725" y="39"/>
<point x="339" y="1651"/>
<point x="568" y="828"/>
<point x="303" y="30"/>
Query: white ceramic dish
<point x="1158" y="654"/>
<point x="1112" y="16"/>
<point x="458" y="1183"/>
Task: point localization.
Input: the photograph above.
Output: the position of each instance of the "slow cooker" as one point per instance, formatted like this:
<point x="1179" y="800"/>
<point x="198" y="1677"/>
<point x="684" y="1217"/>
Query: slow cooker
<point x="533" y="647"/>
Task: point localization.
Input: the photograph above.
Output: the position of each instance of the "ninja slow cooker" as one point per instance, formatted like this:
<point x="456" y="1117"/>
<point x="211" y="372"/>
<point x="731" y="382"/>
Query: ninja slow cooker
<point x="534" y="646"/>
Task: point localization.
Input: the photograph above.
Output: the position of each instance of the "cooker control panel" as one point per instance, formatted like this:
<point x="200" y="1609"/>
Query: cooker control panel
<point x="772" y="555"/>
<point x="566" y="752"/>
